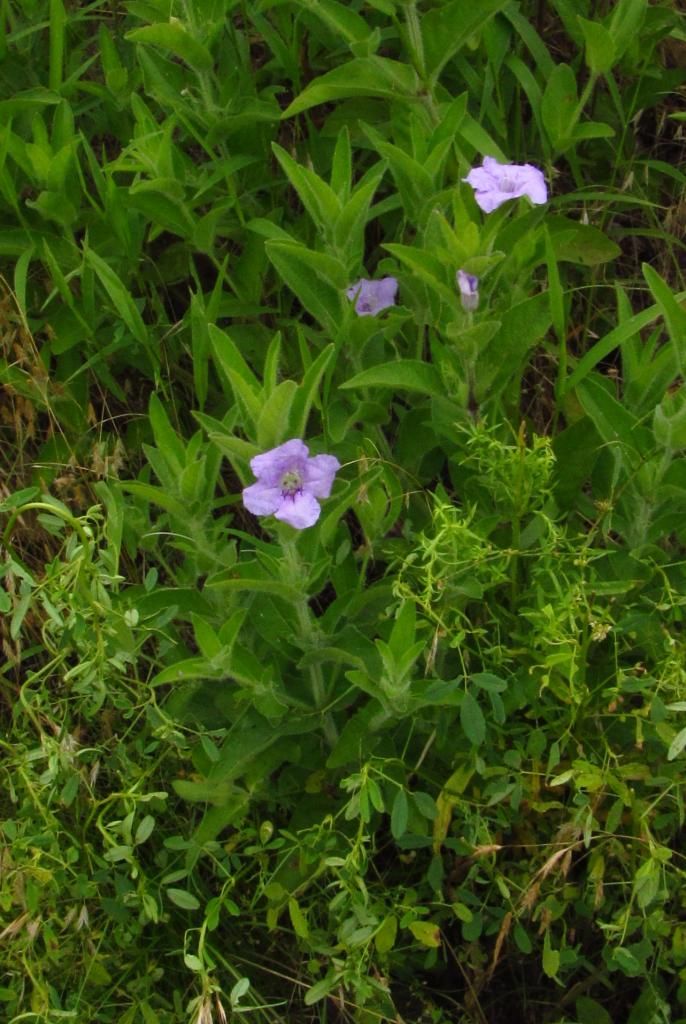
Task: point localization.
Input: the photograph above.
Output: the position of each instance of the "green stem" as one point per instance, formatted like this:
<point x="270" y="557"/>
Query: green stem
<point x="308" y="632"/>
<point x="45" y="506"/>
<point x="514" y="563"/>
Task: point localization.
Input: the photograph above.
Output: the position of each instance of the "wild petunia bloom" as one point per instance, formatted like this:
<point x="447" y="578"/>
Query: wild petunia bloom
<point x="289" y="483"/>
<point x="495" y="183"/>
<point x="373" y="296"/>
<point x="468" y="285"/>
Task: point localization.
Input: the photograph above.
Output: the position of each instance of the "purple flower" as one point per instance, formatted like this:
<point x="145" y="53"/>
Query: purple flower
<point x="469" y="290"/>
<point x="495" y="183"/>
<point x="289" y="483"/>
<point x="372" y="296"/>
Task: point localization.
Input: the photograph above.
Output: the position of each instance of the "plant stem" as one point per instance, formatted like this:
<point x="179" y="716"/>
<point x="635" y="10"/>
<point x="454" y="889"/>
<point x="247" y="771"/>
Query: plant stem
<point x="308" y="632"/>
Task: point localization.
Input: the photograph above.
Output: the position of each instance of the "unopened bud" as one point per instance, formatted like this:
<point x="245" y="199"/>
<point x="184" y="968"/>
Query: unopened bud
<point x="468" y="285"/>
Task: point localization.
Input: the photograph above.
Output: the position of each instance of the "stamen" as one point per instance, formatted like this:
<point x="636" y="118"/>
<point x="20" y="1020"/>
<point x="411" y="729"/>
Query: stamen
<point x="291" y="483"/>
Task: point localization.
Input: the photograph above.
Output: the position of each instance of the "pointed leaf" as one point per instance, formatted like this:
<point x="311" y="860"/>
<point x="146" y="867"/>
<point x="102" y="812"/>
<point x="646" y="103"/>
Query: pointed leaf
<point x="447" y="28"/>
<point x="318" y="198"/>
<point x="173" y="36"/>
<point x="403" y="374"/>
<point x="365" y="76"/>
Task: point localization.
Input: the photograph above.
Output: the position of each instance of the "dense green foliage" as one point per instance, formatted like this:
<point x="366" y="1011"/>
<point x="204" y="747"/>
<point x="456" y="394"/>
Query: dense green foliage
<point x="422" y="761"/>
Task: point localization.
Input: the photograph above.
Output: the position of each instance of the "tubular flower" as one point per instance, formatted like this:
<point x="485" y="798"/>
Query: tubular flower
<point x="468" y="285"/>
<point x="372" y="296"/>
<point x="289" y="483"/>
<point x="495" y="183"/>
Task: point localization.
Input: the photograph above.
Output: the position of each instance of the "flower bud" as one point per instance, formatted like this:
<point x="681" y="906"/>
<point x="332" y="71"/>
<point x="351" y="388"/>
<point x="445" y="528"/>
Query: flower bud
<point x="468" y="285"/>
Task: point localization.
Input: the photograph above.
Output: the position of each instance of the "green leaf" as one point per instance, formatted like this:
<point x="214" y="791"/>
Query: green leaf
<point x="166" y="438"/>
<point x="403" y="375"/>
<point x="399" y="814"/>
<point x="342" y="20"/>
<point x="414" y="183"/>
<point x="318" y="198"/>
<point x="426" y="933"/>
<point x="355" y="737"/>
<point x="122" y="301"/>
<point x="669" y="420"/>
<point x="600" y="48"/>
<point x="580" y="243"/>
<point x="341" y="166"/>
<point x="677" y="745"/>
<point x="625" y="24"/>
<point x="615" y="339"/>
<point x="156" y="495"/>
<point x="188" y="668"/>
<point x="672" y="311"/>
<point x="321" y="988"/>
<point x="348" y="234"/>
<point x="551" y="957"/>
<point x="472" y="720"/>
<point x="307" y="391"/>
<point x="227" y="580"/>
<point x="184" y="899"/>
<point x="627" y="962"/>
<point x="450" y="26"/>
<point x="272" y="423"/>
<point x="489" y="682"/>
<point x="205" y="637"/>
<point x="173" y="36"/>
<point x="592" y="130"/>
<point x="611" y="418"/>
<point x="590" y="1012"/>
<point x="425" y="804"/>
<point x="238" y="991"/>
<point x="384" y="940"/>
<point x="145" y="829"/>
<point x="244" y="383"/>
<point x="522" y="327"/>
<point x="647" y="882"/>
<point x="559" y="106"/>
<point x="462" y="913"/>
<point x="298" y="919"/>
<point x="364" y="76"/>
<point x="427" y="266"/>
<point x="234" y="447"/>
<point x="404" y="629"/>
<point x="27" y="102"/>
<point x="318" y="280"/>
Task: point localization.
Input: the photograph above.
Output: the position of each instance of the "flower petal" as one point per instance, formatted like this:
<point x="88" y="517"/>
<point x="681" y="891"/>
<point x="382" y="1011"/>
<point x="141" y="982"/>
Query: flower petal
<point x="494" y="167"/>
<point x="495" y="183"/>
<point x="386" y="292"/>
<point x="353" y="289"/>
<point x="320" y="471"/>
<point x="262" y="500"/>
<point x="300" y="511"/>
<point x="481" y="179"/>
<point x="534" y="185"/>
<point x="372" y="296"/>
<point x="491" y="200"/>
<point x="273" y="463"/>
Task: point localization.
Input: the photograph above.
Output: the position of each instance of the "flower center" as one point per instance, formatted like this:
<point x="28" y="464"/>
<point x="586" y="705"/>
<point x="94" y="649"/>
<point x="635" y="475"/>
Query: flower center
<point x="291" y="483"/>
<point x="507" y="184"/>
